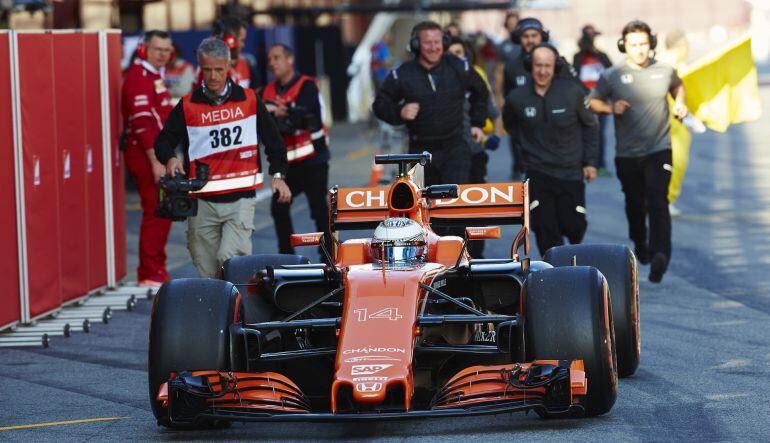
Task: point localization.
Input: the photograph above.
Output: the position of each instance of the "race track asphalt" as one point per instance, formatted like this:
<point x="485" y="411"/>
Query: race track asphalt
<point x="705" y="369"/>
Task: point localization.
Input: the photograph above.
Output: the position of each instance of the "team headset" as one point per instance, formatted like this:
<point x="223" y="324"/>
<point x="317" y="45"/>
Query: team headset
<point x="414" y="40"/>
<point x="645" y="27"/>
<point x="144" y="41"/>
<point x="223" y="32"/>
<point x="560" y="62"/>
<point x="526" y="24"/>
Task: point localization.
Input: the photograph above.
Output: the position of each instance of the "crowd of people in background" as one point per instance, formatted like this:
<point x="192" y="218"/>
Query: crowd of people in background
<point x="556" y="114"/>
<point x="210" y="122"/>
<point x="456" y="95"/>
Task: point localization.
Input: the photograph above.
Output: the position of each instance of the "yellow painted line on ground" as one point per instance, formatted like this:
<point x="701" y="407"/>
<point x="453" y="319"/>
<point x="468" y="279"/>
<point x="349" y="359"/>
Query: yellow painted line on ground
<point x="60" y="423"/>
<point x="363" y="152"/>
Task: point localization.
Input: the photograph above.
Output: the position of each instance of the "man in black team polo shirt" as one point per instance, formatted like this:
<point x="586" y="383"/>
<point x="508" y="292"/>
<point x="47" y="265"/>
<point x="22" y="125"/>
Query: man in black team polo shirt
<point x="559" y="141"/>
<point x="637" y="89"/>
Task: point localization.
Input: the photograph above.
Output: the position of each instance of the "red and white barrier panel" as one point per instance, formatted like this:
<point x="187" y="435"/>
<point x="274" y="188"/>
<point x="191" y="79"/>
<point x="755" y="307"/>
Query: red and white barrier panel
<point x="64" y="175"/>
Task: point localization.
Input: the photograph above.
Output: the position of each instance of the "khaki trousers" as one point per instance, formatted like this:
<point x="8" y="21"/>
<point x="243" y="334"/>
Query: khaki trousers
<point x="220" y="231"/>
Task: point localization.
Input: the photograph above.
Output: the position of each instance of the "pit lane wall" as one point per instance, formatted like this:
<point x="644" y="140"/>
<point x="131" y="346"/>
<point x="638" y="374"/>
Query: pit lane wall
<point x="62" y="221"/>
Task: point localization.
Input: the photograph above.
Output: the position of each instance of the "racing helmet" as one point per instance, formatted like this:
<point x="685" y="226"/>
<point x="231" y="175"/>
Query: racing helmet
<point x="399" y="240"/>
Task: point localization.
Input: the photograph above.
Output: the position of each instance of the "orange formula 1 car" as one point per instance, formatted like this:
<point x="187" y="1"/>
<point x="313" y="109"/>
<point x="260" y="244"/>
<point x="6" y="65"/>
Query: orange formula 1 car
<point x="402" y="323"/>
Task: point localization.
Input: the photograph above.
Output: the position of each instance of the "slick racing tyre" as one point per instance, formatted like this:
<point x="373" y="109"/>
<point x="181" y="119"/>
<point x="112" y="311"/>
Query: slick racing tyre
<point x="618" y="265"/>
<point x="240" y="270"/>
<point x="189" y="331"/>
<point x="567" y="315"/>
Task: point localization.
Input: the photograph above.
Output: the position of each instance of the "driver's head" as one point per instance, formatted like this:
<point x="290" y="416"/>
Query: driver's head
<point x="399" y="240"/>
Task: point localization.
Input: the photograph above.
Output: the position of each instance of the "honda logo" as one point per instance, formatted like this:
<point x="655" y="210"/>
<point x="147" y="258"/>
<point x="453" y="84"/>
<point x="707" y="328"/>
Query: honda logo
<point x="368" y="387"/>
<point x="530" y="111"/>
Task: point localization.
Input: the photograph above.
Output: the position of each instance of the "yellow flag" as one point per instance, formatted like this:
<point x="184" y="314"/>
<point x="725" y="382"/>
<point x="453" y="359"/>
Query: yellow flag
<point x="721" y="89"/>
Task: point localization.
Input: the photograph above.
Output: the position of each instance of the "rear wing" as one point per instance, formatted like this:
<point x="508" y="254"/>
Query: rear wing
<point x="475" y="205"/>
<point x="483" y="204"/>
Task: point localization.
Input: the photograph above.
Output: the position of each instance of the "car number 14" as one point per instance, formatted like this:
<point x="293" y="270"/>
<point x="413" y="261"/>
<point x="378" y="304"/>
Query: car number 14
<point x="386" y="313"/>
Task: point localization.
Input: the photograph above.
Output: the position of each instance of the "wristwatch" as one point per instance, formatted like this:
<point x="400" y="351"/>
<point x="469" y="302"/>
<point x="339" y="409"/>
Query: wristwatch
<point x="278" y="176"/>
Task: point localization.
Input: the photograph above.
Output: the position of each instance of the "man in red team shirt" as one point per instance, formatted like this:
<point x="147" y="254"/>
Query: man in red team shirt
<point x="146" y="104"/>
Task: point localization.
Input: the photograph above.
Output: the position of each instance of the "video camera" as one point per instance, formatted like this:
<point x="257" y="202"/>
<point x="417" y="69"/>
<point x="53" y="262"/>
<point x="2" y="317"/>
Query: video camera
<point x="174" y="199"/>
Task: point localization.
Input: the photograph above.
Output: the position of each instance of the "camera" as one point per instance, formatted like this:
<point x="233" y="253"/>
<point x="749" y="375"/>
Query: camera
<point x="174" y="199"/>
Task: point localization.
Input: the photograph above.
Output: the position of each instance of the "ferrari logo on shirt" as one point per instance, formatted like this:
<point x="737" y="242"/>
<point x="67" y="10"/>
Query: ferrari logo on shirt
<point x="521" y="80"/>
<point x="626" y="79"/>
<point x="530" y="111"/>
<point x="160" y="86"/>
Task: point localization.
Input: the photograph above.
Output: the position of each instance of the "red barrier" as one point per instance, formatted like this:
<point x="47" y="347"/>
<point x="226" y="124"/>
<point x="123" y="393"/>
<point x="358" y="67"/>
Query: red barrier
<point x="69" y="73"/>
<point x="10" y="311"/>
<point x="92" y="115"/>
<point x="115" y="75"/>
<point x="41" y="171"/>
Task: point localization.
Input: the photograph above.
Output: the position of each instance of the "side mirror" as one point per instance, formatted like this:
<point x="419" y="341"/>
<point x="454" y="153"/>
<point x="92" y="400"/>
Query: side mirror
<point x="311" y="239"/>
<point x="440" y="191"/>
<point x="482" y="233"/>
<point x="507" y="340"/>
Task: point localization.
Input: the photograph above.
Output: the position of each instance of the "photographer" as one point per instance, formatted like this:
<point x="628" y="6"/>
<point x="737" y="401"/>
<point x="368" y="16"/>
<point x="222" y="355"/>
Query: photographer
<point x="293" y="99"/>
<point x="219" y="124"/>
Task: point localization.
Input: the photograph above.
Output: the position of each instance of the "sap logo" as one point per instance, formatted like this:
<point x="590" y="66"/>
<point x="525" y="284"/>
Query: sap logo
<point x="521" y="80"/>
<point x="530" y="111"/>
<point x="221" y="115"/>
<point x="373" y="350"/>
<point x="474" y="195"/>
<point x="367" y="369"/>
<point x="370" y="379"/>
<point x="361" y="199"/>
<point x="368" y="387"/>
<point x="369" y="358"/>
<point x="626" y="79"/>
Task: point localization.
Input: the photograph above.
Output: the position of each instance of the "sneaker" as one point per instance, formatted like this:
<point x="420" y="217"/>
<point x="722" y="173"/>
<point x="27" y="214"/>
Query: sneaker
<point x="642" y="255"/>
<point x="150" y="284"/>
<point x="658" y="266"/>
<point x="674" y="211"/>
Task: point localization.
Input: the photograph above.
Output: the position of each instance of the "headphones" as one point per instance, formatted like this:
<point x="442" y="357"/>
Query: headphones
<point x="637" y="24"/>
<point x="224" y="31"/>
<point x="144" y="44"/>
<point x="560" y="62"/>
<point x="414" y="40"/>
<point x="526" y="24"/>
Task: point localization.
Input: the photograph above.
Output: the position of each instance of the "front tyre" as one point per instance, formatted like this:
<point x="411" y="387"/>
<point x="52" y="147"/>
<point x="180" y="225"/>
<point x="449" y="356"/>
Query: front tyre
<point x="567" y="315"/>
<point x="189" y="331"/>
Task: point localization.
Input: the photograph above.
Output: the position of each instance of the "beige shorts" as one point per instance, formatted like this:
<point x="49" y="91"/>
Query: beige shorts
<point x="220" y="231"/>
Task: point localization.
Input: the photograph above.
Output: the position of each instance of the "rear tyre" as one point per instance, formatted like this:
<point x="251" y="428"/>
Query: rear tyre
<point x="240" y="270"/>
<point x="189" y="331"/>
<point x="618" y="265"/>
<point x="567" y="315"/>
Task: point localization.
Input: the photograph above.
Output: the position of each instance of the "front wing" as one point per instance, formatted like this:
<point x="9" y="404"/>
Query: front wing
<point x="547" y="386"/>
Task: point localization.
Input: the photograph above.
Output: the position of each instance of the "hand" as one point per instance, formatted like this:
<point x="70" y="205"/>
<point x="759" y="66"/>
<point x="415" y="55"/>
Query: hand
<point x="279" y="186"/>
<point x="158" y="170"/>
<point x="620" y="106"/>
<point x="173" y="167"/>
<point x="493" y="142"/>
<point x="409" y="111"/>
<point x="277" y="110"/>
<point x="477" y="134"/>
<point x="679" y="110"/>
<point x="589" y="173"/>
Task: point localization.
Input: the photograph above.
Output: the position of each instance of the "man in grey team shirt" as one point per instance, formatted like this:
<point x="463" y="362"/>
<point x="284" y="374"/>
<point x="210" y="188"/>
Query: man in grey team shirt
<point x="637" y="90"/>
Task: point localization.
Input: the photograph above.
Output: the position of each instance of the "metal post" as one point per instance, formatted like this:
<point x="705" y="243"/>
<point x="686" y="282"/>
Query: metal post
<point x="18" y="155"/>
<point x="109" y="215"/>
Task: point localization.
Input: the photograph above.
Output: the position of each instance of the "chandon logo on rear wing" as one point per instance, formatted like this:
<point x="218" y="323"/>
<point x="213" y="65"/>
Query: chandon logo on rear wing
<point x="476" y="204"/>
